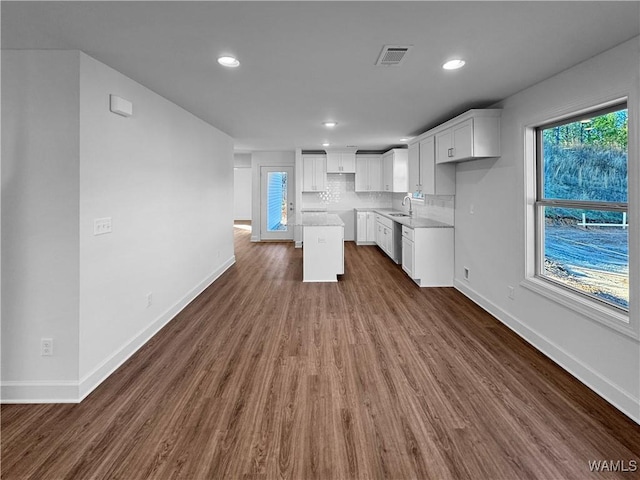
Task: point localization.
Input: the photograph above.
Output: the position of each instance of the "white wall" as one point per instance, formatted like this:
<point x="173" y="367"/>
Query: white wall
<point x="242" y="187"/>
<point x="166" y="180"/>
<point x="491" y="241"/>
<point x="242" y="193"/>
<point x="0" y="202"/>
<point x="163" y="176"/>
<point x="242" y="160"/>
<point x="40" y="207"/>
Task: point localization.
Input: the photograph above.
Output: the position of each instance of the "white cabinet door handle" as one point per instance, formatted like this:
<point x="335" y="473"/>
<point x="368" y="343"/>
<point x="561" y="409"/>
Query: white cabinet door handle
<point x="450" y="152"/>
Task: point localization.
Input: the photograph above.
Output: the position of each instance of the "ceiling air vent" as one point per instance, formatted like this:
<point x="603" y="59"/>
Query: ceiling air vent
<point x="392" y="55"/>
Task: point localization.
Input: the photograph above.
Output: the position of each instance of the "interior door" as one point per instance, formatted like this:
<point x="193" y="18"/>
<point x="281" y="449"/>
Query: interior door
<point x="276" y="203"/>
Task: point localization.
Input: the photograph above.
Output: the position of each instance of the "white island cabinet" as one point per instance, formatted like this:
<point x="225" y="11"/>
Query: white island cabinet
<point x="322" y="246"/>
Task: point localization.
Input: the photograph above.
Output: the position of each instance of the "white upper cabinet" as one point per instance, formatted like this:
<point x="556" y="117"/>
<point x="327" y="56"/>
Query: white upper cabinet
<point x="314" y="173"/>
<point x="395" y="170"/>
<point x="435" y="179"/>
<point x="341" y="162"/>
<point x="474" y="134"/>
<point x="415" y="177"/>
<point x="368" y="173"/>
<point x="427" y="177"/>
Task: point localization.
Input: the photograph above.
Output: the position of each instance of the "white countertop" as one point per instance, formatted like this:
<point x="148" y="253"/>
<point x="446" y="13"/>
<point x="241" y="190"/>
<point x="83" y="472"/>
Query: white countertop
<point x="367" y="209"/>
<point x="318" y="219"/>
<point x="411" y="222"/>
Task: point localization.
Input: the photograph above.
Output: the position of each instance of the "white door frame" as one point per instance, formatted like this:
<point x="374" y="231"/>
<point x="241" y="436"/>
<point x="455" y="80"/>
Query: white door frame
<point x="280" y="234"/>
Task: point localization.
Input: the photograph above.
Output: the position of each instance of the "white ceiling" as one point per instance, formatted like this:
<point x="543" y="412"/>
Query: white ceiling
<point x="306" y="62"/>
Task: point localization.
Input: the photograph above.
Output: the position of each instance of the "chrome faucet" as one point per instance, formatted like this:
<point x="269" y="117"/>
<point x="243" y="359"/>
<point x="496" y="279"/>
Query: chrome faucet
<point x="404" y="202"/>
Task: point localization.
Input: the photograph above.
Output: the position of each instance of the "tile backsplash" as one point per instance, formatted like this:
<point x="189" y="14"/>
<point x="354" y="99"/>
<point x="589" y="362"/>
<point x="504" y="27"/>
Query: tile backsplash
<point x="340" y="194"/>
<point x="436" y="207"/>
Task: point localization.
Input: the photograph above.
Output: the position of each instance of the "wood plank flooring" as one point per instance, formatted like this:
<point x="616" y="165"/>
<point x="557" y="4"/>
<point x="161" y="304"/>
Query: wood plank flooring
<point x="264" y="377"/>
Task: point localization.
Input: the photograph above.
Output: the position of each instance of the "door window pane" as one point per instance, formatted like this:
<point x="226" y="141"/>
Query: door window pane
<point x="276" y="201"/>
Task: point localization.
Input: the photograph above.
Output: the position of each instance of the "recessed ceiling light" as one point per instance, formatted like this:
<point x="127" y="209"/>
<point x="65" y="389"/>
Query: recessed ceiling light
<point x="326" y="144"/>
<point x="330" y="124"/>
<point x="404" y="139"/>
<point x="231" y="62"/>
<point x="453" y="64"/>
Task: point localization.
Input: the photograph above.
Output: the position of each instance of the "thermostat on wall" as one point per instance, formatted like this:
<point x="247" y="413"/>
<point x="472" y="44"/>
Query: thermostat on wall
<point x="120" y="106"/>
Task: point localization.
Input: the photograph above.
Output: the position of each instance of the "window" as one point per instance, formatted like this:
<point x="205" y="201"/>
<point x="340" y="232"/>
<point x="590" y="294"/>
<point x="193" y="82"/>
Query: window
<point x="581" y="205"/>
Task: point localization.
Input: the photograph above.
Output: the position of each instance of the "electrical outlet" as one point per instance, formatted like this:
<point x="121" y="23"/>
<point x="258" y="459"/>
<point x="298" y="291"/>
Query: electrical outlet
<point x="510" y="292"/>
<point x="149" y="299"/>
<point x="102" y="226"/>
<point x="466" y="273"/>
<point x="46" y="347"/>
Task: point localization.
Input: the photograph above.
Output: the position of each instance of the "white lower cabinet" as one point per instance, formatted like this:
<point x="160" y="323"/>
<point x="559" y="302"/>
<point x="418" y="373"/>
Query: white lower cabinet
<point x="408" y="250"/>
<point x="371" y="227"/>
<point x="427" y="255"/>
<point x="365" y="228"/>
<point x="389" y="237"/>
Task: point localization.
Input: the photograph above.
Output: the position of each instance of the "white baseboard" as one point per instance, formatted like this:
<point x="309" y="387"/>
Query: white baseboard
<point x="39" y="392"/>
<point x="75" y="392"/>
<point x="618" y="397"/>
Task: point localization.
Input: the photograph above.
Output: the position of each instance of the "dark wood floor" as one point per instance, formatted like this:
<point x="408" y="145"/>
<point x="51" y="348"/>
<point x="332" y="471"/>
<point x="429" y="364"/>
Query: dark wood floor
<point x="263" y="376"/>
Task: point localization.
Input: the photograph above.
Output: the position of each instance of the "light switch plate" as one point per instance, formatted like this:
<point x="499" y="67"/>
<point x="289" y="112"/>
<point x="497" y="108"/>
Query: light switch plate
<point x="102" y="226"/>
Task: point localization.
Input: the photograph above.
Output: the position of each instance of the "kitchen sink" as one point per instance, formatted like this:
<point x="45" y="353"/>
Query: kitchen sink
<point x="399" y="215"/>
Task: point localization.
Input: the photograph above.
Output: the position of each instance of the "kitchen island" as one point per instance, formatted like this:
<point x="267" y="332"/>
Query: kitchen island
<point x="322" y="246"/>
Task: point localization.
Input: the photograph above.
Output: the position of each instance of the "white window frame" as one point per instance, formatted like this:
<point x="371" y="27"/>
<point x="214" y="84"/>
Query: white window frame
<point x="593" y="309"/>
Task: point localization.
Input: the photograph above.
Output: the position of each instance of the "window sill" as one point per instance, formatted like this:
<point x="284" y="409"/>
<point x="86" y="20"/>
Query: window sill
<point x="600" y="313"/>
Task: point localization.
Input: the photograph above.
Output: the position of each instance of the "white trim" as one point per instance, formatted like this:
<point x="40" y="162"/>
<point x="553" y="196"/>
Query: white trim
<point x="612" y="393"/>
<point x="94" y="378"/>
<point x="263" y="231"/>
<point x="75" y="392"/>
<point x="256" y="186"/>
<point x="591" y="309"/>
<point x="64" y="391"/>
